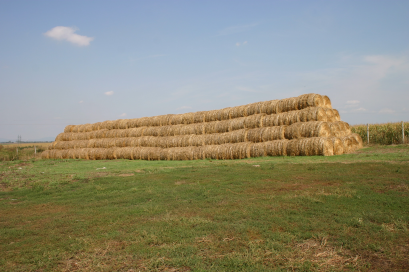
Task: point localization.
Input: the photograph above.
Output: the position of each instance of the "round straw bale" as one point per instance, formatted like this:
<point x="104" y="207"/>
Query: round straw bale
<point x="358" y="139"/>
<point x="91" y="143"/>
<point x="45" y="154"/>
<point x="330" y="115"/>
<point x="152" y="131"/>
<point x="327" y="102"/>
<point x="276" y="148"/>
<point x="59" y="137"/>
<point x="271" y="120"/>
<point x="223" y="114"/>
<point x="188" y="118"/>
<point x="237" y="112"/>
<point x="236" y="123"/>
<point x="337" y="117"/>
<point x="164" y="155"/>
<point x="92" y="153"/>
<point x="323" y="146"/>
<point x="307" y="129"/>
<point x="176" y="119"/>
<point x="347" y="144"/>
<point x="136" y="132"/>
<point x="254" y="121"/>
<point x="68" y="128"/>
<point x="71" y="154"/>
<point x="123" y="124"/>
<point x="338" y="146"/>
<point x="109" y="124"/>
<point x="83" y="153"/>
<point x="96" y="126"/>
<point x="199" y="117"/>
<point x="154" y="153"/>
<point x="257" y="150"/>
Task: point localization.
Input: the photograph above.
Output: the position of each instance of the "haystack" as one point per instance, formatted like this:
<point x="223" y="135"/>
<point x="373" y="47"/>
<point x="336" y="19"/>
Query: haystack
<point x="306" y="125"/>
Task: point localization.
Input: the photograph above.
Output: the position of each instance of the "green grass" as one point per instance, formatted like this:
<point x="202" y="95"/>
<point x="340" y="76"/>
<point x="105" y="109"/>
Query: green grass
<point x="347" y="212"/>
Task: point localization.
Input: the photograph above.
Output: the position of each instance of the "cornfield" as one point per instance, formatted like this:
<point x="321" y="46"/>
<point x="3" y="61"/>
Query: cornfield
<point x="299" y="126"/>
<point x="384" y="134"/>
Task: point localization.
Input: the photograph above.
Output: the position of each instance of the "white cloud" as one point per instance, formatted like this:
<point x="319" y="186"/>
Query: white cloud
<point x="67" y="33"/>
<point x="184" y="108"/>
<point x="122" y="115"/>
<point x="109" y="93"/>
<point x="353" y="102"/>
<point x="81" y="102"/>
<point x="386" y="110"/>
<point x="238" y="43"/>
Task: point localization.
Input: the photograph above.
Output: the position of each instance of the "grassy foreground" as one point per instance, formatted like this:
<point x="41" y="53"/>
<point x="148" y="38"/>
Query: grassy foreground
<point x="348" y="212"/>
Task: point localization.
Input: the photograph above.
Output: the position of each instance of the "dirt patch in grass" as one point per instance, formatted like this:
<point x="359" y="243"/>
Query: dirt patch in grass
<point x="126" y="175"/>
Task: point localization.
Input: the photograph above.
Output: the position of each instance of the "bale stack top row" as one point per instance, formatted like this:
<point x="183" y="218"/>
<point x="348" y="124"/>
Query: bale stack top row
<point x="294" y="125"/>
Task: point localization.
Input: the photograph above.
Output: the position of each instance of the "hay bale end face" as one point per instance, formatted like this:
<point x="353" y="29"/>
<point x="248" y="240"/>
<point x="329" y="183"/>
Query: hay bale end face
<point x="306" y="125"/>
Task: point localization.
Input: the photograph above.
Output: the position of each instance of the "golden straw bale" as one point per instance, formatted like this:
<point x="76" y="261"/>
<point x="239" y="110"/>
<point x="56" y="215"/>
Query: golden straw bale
<point x="330" y="115"/>
<point x="337" y="117"/>
<point x="68" y="128"/>
<point x="102" y="133"/>
<point x="45" y="154"/>
<point x="92" y="153"/>
<point x="59" y="137"/>
<point x="347" y="143"/>
<point x="354" y="143"/>
<point x="338" y="146"/>
<point x="176" y="119"/>
<point x="136" y="132"/>
<point x="221" y="126"/>
<point x="254" y="108"/>
<point x="254" y="121"/>
<point x="91" y="143"/>
<point x="223" y="114"/>
<point x="310" y="100"/>
<point x="199" y="117"/>
<point x="358" y="139"/>
<point x="310" y="147"/>
<point x="210" y="116"/>
<point x="307" y="130"/>
<point x="257" y="150"/>
<point x="96" y="126"/>
<point x="276" y="148"/>
<point x="270" y="107"/>
<point x="273" y="133"/>
<point x="84" y="153"/>
<point x="237" y="112"/>
<point x="71" y="154"/>
<point x="151" y="131"/>
<point x="327" y="102"/>
<point x="339" y="128"/>
<point x="164" y="154"/>
<point x="188" y="118"/>
<point x="288" y="104"/>
<point x="123" y="124"/>
<point x="236" y="136"/>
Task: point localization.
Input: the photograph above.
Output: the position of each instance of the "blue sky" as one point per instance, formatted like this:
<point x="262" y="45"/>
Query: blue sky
<point x="76" y="62"/>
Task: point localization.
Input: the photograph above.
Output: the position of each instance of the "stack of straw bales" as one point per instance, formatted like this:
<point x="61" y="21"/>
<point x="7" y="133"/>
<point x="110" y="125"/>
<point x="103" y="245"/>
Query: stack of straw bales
<point x="299" y="126"/>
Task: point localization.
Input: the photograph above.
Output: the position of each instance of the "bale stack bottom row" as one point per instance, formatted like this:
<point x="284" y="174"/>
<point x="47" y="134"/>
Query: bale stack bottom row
<point x="297" y="147"/>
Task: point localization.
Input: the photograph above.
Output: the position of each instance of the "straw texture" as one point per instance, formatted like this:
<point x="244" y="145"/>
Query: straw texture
<point x="298" y="126"/>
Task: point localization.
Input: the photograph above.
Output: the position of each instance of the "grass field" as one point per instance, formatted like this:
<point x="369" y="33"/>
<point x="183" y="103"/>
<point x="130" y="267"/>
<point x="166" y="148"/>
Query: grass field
<point x="26" y="151"/>
<point x="347" y="212"/>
